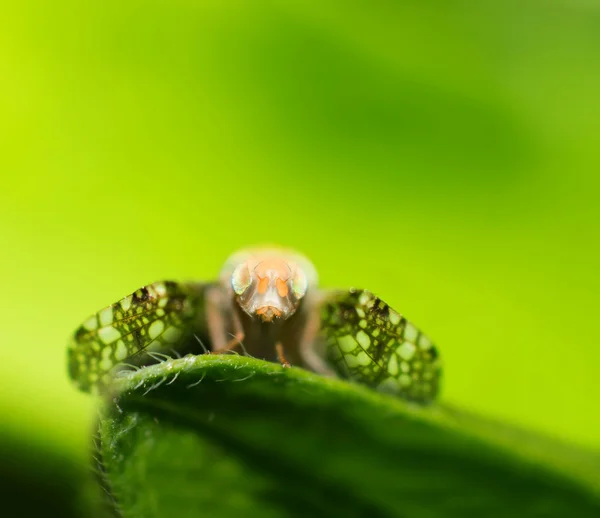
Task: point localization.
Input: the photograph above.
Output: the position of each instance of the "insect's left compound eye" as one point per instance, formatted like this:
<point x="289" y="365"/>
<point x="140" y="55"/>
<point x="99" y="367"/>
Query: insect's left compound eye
<point x="240" y="279"/>
<point x="299" y="284"/>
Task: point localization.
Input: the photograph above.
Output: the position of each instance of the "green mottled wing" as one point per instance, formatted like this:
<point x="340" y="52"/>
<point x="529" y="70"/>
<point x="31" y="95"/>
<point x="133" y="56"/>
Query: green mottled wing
<point x="367" y="341"/>
<point x="159" y="317"/>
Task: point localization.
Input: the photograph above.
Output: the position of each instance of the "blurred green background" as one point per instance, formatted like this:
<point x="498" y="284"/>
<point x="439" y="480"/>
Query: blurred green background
<point x="442" y="154"/>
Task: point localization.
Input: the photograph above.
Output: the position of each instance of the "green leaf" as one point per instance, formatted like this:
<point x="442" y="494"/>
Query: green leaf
<point x="224" y="435"/>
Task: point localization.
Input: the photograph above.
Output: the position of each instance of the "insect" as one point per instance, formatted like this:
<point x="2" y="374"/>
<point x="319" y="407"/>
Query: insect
<point x="266" y="301"/>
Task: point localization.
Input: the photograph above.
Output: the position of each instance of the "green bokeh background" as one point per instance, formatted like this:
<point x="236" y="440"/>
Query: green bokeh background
<point x="442" y="154"/>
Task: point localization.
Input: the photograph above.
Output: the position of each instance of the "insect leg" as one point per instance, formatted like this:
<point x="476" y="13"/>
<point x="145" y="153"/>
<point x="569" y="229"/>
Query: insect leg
<point x="281" y="356"/>
<point x="308" y="343"/>
<point x="217" y="322"/>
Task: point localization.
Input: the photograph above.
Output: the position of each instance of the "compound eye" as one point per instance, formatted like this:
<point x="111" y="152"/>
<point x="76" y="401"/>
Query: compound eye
<point x="240" y="279"/>
<point x="299" y="284"/>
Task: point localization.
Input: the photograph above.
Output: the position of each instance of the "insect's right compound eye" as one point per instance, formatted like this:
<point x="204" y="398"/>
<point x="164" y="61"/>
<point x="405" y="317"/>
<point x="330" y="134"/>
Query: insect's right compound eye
<point x="240" y="279"/>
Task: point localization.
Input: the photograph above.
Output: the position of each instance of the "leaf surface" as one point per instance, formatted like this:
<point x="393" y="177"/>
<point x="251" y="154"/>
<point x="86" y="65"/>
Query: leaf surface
<point x="224" y="435"/>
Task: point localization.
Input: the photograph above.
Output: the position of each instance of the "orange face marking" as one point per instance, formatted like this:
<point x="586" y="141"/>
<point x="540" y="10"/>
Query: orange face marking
<point x="282" y="288"/>
<point x="263" y="284"/>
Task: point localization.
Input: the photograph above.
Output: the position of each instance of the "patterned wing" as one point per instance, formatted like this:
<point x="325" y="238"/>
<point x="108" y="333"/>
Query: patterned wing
<point x="367" y="341"/>
<point x="158" y="317"/>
